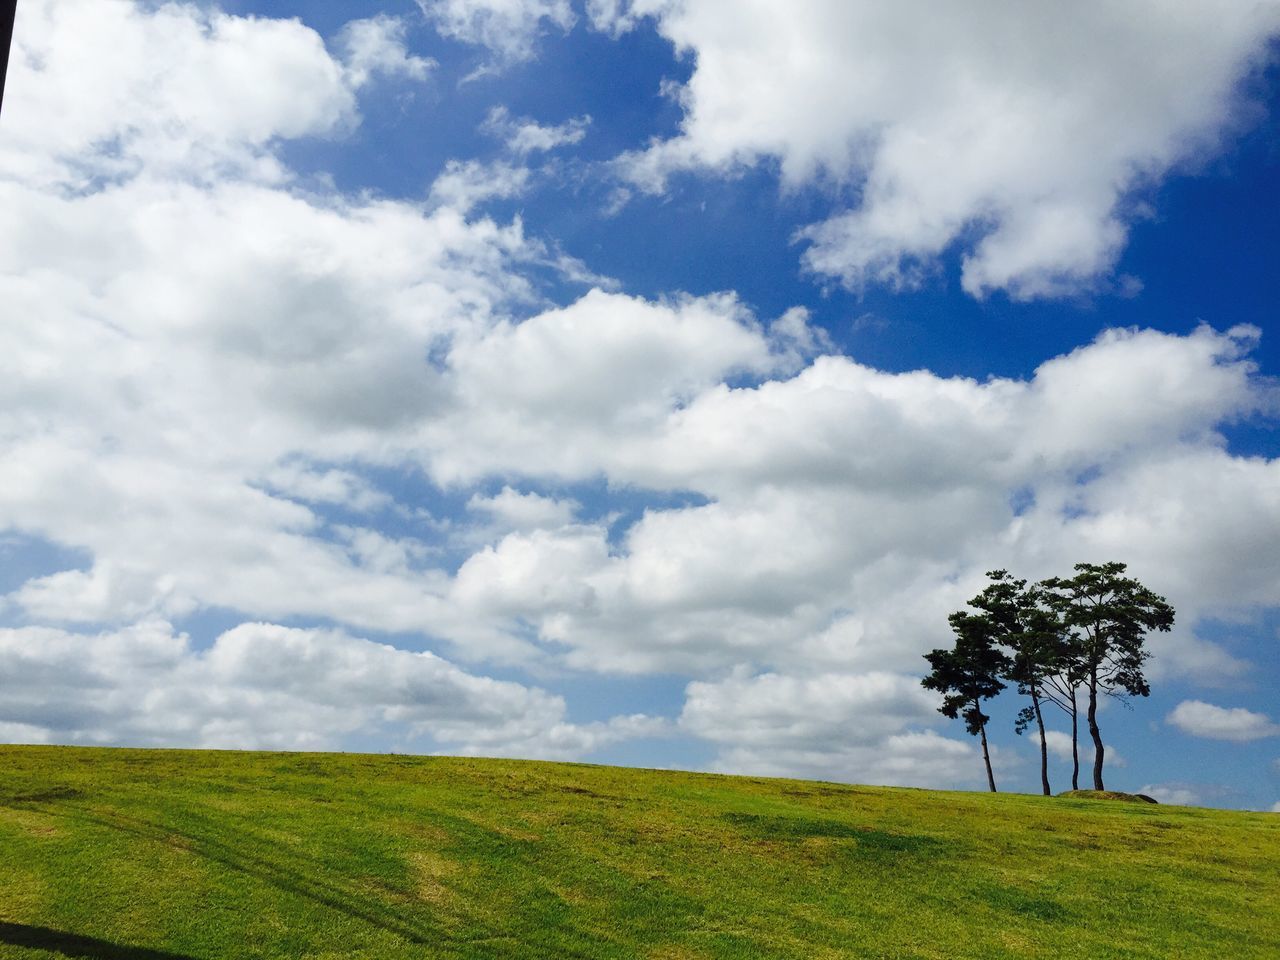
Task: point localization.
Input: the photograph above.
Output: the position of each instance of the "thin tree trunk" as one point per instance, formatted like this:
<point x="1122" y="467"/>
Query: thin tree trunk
<point x="1094" y="732"/>
<point x="8" y="13"/>
<point x="1075" y="741"/>
<point x="1044" y="746"/>
<point x="986" y="758"/>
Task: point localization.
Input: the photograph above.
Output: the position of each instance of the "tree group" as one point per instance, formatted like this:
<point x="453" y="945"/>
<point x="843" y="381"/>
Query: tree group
<point x="1053" y="641"/>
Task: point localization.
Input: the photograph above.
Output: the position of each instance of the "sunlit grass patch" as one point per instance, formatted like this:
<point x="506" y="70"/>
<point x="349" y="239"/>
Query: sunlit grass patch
<point x="223" y="855"/>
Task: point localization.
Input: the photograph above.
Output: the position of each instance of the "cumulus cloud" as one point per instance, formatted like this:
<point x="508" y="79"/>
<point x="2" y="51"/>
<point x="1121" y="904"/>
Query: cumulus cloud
<point x="1059" y="745"/>
<point x="849" y="510"/>
<point x="465" y="184"/>
<point x="1178" y="794"/>
<point x="1025" y="136"/>
<point x="509" y="29"/>
<point x="237" y="343"/>
<point x="146" y="463"/>
<point x="512" y="510"/>
<point x="780" y="712"/>
<point x="265" y="686"/>
<point x="172" y="89"/>
<point x="1202" y="719"/>
<point x="523" y="136"/>
<point x="858" y="727"/>
<point x="831" y="726"/>
<point x="208" y="373"/>
<point x="376" y="46"/>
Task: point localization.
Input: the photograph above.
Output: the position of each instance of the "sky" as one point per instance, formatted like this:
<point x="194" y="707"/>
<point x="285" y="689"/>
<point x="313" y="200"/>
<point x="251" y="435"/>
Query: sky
<point x="635" y="381"/>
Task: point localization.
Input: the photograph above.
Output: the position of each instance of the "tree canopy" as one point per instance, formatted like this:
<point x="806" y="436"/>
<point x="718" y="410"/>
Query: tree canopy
<point x="968" y="674"/>
<point x="1109" y="616"/>
<point x="1049" y="639"/>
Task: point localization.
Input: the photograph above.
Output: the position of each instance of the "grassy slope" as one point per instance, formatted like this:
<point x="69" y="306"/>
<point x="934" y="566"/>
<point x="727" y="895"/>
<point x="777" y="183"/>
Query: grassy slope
<point x="159" y="855"/>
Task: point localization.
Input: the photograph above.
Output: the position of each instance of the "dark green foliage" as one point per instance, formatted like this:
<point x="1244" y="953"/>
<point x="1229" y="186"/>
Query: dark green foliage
<point x="1109" y="616"/>
<point x="1023" y="624"/>
<point x="1049" y="640"/>
<point x="968" y="674"/>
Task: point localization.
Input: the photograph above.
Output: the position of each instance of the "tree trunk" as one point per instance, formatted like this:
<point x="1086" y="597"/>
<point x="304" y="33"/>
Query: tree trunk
<point x="1044" y="746"/>
<point x="1075" y="741"/>
<point x="1093" y="732"/>
<point x="986" y="758"/>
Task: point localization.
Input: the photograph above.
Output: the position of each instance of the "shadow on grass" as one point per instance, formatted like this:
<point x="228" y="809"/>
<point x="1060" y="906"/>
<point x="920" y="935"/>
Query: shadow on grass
<point x="303" y="879"/>
<point x="287" y="871"/>
<point x="75" y="945"/>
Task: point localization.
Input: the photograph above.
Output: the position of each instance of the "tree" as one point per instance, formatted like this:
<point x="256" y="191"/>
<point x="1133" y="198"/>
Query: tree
<point x="968" y="674"/>
<point x="1023" y="623"/>
<point x="1061" y="689"/>
<point x="1111" y="615"/>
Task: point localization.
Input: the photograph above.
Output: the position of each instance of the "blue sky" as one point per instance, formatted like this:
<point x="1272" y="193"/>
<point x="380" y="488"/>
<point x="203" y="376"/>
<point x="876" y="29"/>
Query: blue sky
<point x="637" y="382"/>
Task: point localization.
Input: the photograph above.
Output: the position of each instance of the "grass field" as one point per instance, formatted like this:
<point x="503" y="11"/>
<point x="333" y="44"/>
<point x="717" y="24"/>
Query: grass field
<point x="163" y="855"/>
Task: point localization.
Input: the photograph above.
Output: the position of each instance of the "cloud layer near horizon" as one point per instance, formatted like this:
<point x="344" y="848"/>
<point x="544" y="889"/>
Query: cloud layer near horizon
<point x="217" y="376"/>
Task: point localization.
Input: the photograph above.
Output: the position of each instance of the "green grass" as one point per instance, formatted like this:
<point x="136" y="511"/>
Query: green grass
<point x="163" y="855"/>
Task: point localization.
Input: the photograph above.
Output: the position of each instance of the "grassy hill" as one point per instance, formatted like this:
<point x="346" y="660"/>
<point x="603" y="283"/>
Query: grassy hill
<point x="163" y="855"/>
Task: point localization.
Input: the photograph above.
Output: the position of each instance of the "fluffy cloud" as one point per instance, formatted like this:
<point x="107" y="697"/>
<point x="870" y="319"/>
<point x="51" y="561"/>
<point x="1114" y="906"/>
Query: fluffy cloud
<point x="376" y="46"/>
<point x="191" y="400"/>
<point x="512" y="510"/>
<point x="848" y="510"/>
<point x="172" y="89"/>
<point x="465" y="184"/>
<point x="266" y="686"/>
<point x="1059" y="745"/>
<point x="524" y="136"/>
<point x="509" y="29"/>
<point x="1024" y="135"/>
<point x="1202" y="719"/>
<point x="831" y="726"/>
<point x="1177" y="794"/>
<point x="558" y="394"/>
<point x="217" y="383"/>
<point x="778" y="711"/>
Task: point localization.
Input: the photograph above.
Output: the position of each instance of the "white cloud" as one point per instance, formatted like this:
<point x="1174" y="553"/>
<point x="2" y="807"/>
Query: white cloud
<point x="265" y="686"/>
<point x="22" y="733"/>
<point x="465" y="184"/>
<point x="376" y="46"/>
<point x="190" y="355"/>
<point x="1202" y="719"/>
<point x="508" y="28"/>
<point x="1024" y="134"/>
<point x="776" y="711"/>
<point x="1059" y="745"/>
<point x="852" y="727"/>
<point x="1177" y="794"/>
<point x="190" y="390"/>
<point x="204" y="378"/>
<point x="523" y="136"/>
<point x="173" y="89"/>
<point x="850" y="510"/>
<point x="512" y="510"/>
<point x="299" y="481"/>
<point x="559" y="393"/>
<point x="1275" y="807"/>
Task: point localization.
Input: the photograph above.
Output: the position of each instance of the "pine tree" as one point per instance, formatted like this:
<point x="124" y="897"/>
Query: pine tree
<point x="1110" y="615"/>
